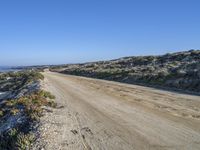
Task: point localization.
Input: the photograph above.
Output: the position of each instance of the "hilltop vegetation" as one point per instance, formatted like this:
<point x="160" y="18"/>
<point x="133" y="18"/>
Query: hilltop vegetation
<point x="179" y="70"/>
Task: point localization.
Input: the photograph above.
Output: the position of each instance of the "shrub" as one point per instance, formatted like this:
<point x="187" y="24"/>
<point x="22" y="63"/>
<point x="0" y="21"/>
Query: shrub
<point x="24" y="141"/>
<point x="1" y="113"/>
<point x="14" y="111"/>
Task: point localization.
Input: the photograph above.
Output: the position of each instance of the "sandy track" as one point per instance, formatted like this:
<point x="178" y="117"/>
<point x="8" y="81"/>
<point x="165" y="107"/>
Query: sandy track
<point x="99" y="114"/>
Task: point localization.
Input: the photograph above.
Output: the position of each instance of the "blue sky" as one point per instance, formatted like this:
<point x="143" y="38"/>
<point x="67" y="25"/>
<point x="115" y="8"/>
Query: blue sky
<point x="34" y="32"/>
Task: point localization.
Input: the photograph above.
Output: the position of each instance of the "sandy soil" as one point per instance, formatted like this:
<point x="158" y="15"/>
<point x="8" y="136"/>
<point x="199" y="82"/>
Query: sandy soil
<point x="96" y="114"/>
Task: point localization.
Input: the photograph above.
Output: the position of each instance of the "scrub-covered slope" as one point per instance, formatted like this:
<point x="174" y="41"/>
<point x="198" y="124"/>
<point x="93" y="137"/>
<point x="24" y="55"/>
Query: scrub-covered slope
<point x="179" y="70"/>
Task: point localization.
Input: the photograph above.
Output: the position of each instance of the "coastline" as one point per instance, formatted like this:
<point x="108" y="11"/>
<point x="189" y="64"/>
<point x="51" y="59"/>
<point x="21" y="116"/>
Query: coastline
<point x="7" y="69"/>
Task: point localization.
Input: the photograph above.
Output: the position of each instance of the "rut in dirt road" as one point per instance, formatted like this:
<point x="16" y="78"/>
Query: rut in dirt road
<point x="99" y="114"/>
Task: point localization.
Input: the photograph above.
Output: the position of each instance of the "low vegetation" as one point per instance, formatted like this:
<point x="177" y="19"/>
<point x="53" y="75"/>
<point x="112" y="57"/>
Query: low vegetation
<point x="16" y="80"/>
<point x="179" y="70"/>
<point x="19" y="114"/>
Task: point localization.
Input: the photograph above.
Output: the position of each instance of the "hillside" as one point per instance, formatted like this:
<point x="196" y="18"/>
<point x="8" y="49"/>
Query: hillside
<point x="22" y="103"/>
<point x="179" y="70"/>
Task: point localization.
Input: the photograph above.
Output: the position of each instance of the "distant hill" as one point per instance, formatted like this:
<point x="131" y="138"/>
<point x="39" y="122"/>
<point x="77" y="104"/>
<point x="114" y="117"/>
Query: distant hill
<point x="180" y="70"/>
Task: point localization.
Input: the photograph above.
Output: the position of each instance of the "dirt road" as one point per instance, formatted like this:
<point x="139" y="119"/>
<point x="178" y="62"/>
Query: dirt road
<point x="96" y="114"/>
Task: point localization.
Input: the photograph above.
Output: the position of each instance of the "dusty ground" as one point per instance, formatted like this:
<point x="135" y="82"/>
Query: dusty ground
<point x="96" y="114"/>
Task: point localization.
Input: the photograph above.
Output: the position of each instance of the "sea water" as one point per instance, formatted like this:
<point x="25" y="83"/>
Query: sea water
<point x="7" y="69"/>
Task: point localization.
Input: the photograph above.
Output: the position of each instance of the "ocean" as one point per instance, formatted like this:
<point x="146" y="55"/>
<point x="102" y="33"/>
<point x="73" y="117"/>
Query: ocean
<point x="7" y="69"/>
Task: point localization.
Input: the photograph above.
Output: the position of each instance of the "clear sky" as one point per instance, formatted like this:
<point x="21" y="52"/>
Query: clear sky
<point x="34" y="32"/>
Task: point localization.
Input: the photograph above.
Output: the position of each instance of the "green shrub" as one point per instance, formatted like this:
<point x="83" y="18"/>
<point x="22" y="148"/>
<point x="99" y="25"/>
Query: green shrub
<point x="14" y="111"/>
<point x="1" y="113"/>
<point x="24" y="141"/>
